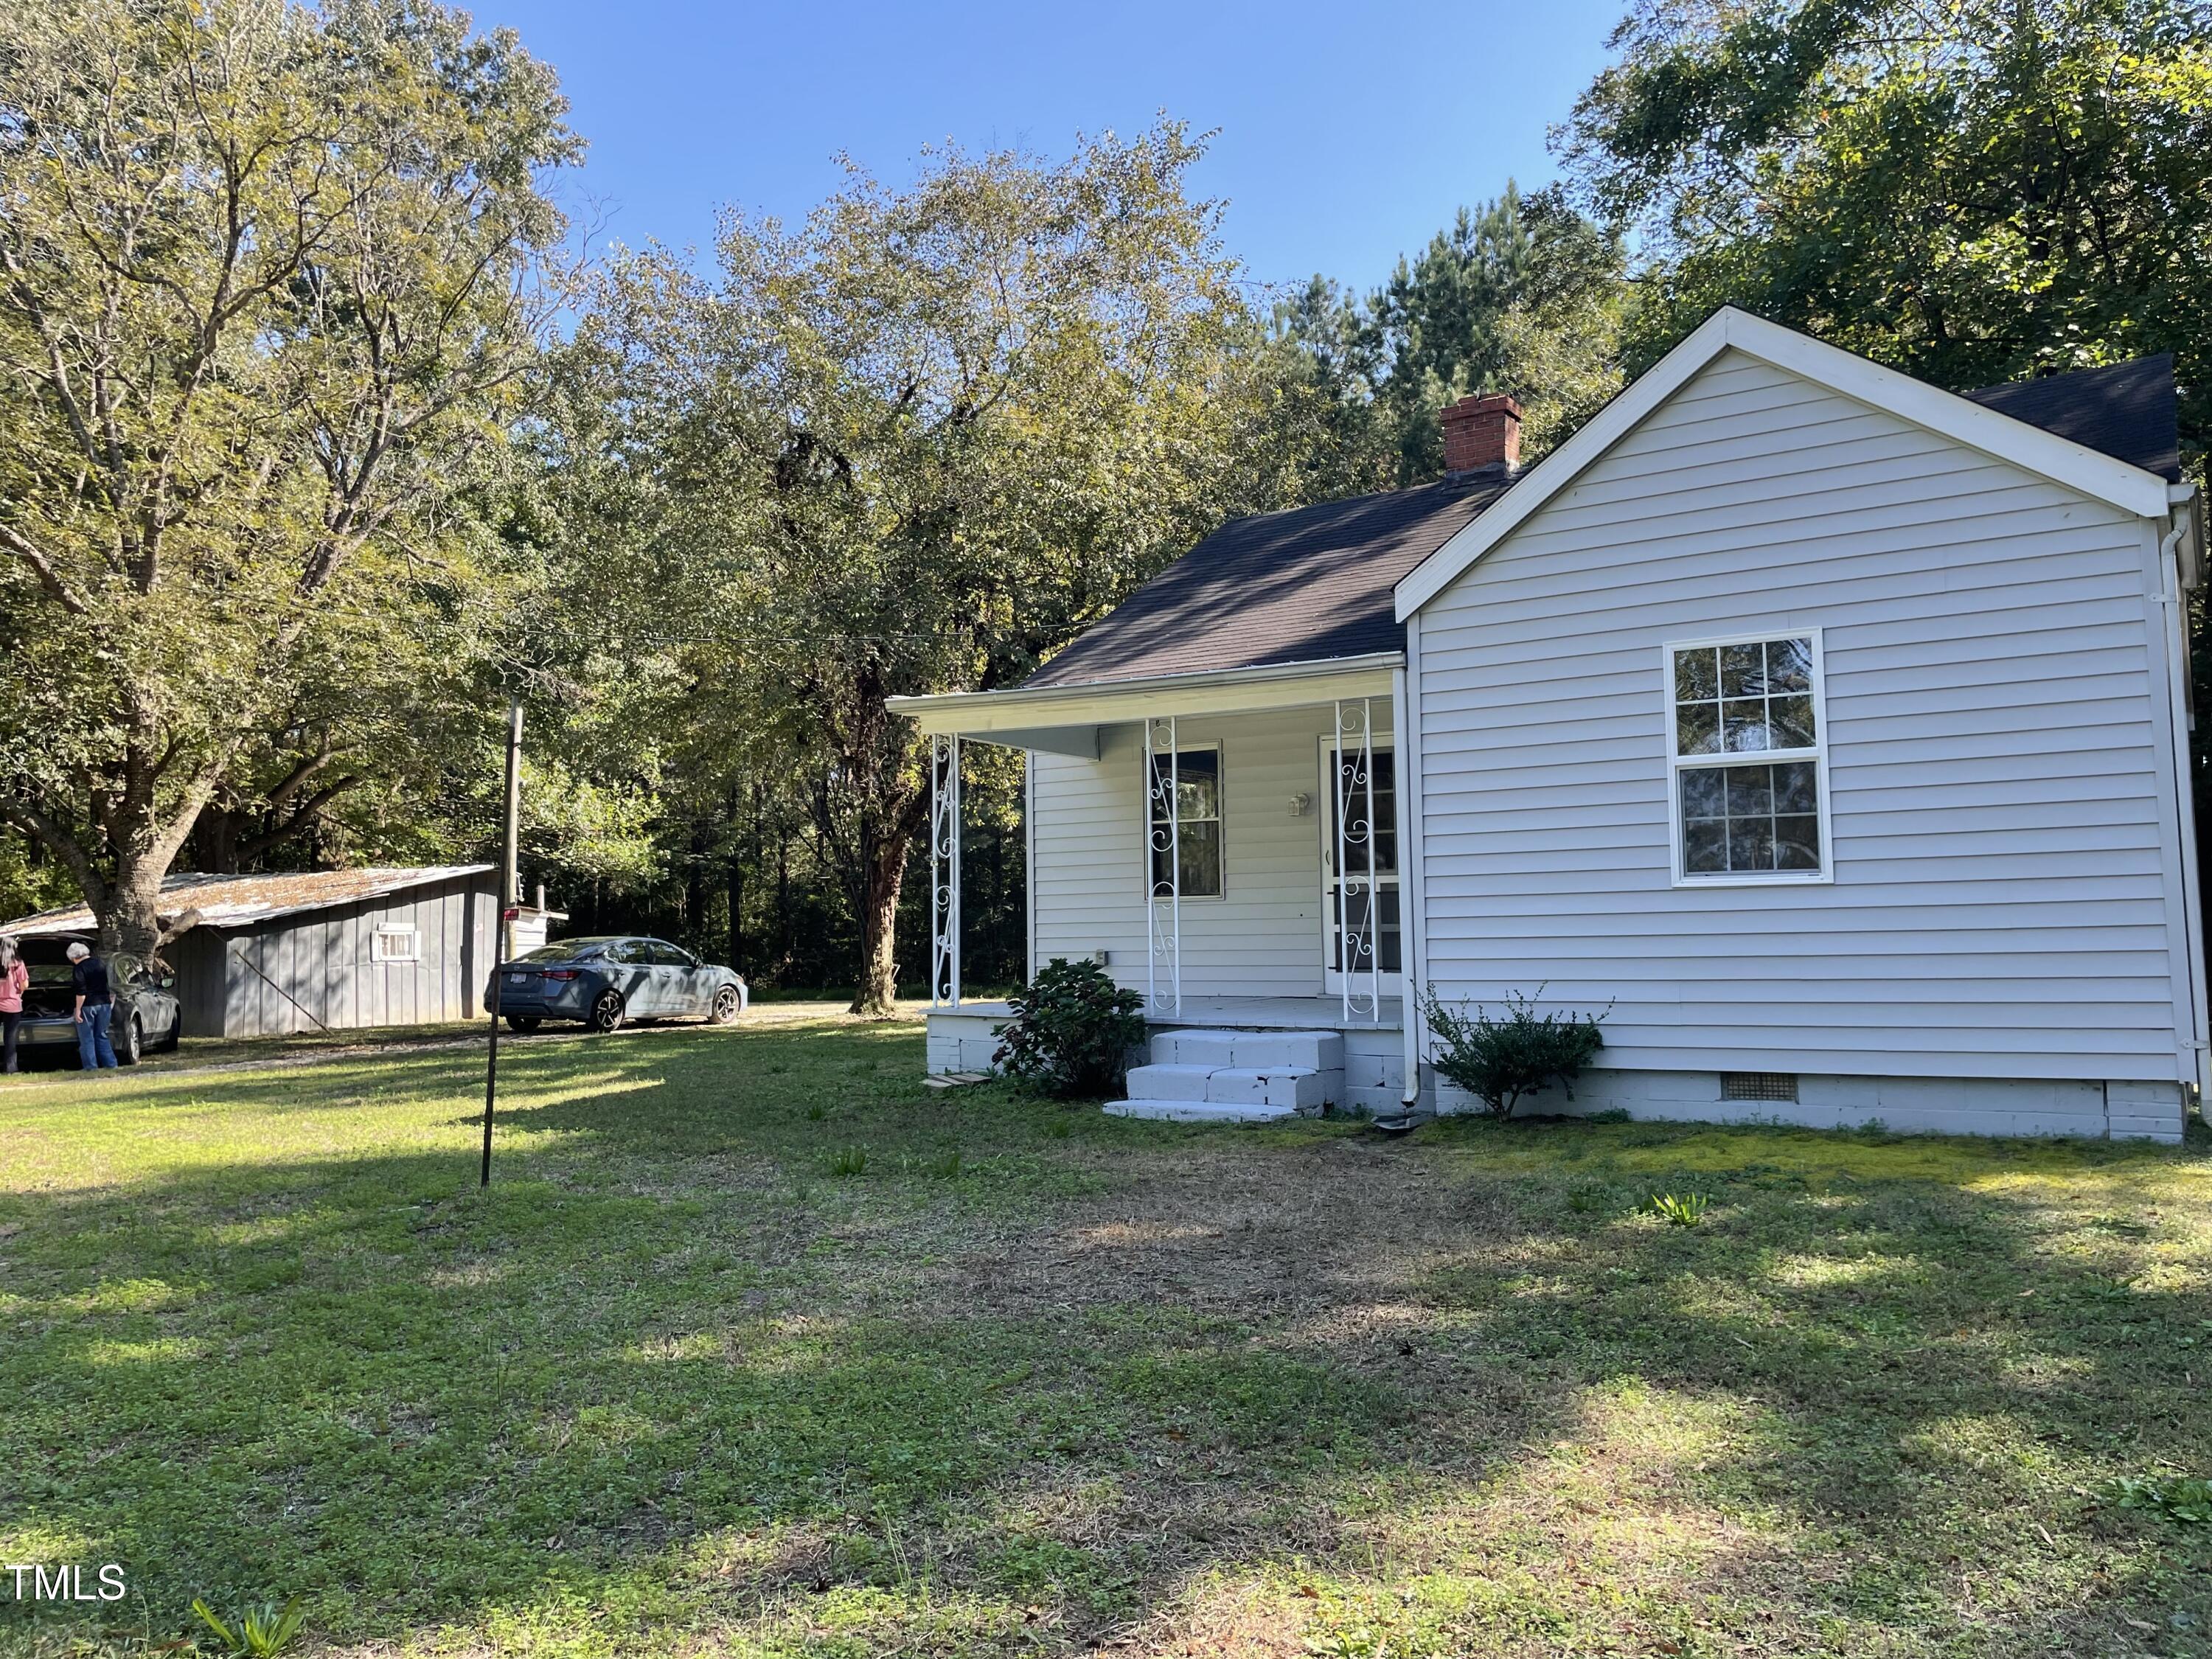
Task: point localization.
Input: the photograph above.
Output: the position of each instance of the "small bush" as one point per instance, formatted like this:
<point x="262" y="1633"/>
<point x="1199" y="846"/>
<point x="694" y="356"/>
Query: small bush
<point x="2174" y="1497"/>
<point x="1500" y="1061"/>
<point x="256" y="1632"/>
<point x="849" y="1161"/>
<point x="1686" y="1211"/>
<point x="1072" y="1031"/>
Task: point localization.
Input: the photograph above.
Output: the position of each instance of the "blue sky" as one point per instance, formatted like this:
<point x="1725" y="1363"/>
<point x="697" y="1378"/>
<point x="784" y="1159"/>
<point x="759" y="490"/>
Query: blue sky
<point x="1345" y="137"/>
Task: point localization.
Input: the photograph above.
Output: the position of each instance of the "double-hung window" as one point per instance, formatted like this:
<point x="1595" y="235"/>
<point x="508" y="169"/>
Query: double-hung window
<point x="1192" y="778"/>
<point x="1747" y="739"/>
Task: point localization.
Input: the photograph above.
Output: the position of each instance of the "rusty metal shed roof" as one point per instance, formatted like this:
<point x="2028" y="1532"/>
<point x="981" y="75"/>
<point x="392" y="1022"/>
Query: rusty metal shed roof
<point x="242" y="901"/>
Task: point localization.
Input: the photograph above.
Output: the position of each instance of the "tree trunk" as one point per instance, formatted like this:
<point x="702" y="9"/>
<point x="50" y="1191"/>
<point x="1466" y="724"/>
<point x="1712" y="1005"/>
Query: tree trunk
<point x="124" y="849"/>
<point x="130" y="920"/>
<point x="884" y="874"/>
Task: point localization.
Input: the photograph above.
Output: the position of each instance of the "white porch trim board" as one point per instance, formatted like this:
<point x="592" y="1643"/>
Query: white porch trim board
<point x="1024" y="719"/>
<point x="1412" y="833"/>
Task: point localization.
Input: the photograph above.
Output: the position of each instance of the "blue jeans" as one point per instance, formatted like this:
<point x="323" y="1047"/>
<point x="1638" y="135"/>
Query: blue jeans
<point x="93" y="1048"/>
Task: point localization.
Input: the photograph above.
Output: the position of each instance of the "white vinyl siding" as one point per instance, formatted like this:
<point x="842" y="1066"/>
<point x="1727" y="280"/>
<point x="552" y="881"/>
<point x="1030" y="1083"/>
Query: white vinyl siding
<point x="1262" y="938"/>
<point x="2005" y="901"/>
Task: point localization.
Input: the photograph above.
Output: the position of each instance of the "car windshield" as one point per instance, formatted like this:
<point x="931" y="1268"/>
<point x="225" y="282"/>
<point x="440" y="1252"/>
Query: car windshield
<point x="565" y="950"/>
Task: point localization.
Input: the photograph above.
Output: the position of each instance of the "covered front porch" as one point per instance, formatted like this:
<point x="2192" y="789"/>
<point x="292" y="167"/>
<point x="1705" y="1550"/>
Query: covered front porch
<point x="1226" y="845"/>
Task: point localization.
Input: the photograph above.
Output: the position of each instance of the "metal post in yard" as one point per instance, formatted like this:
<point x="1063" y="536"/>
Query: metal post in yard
<point x="507" y="917"/>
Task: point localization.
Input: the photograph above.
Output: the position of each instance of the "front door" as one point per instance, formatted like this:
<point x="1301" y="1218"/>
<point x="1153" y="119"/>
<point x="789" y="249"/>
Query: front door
<point x="1360" y="916"/>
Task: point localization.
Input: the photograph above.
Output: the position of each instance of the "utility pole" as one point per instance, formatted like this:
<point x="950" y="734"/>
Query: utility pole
<point x="509" y="897"/>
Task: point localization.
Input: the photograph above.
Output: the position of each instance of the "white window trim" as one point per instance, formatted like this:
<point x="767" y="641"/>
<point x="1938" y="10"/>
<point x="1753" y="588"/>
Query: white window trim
<point x="1678" y="763"/>
<point x="377" y="951"/>
<point x="1145" y="822"/>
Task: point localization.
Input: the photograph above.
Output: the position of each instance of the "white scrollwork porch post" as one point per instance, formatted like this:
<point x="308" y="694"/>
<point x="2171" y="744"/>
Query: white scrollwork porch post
<point x="1162" y="898"/>
<point x="1357" y="927"/>
<point x="945" y="871"/>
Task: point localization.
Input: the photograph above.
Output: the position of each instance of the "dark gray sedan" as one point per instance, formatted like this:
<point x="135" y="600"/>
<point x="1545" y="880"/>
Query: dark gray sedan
<point x="608" y="980"/>
<point x="147" y="1017"/>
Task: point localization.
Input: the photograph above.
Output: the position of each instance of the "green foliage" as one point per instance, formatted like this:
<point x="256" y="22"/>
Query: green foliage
<point x="915" y="444"/>
<point x="1525" y="295"/>
<point x="1686" y="1211"/>
<point x="255" y="1633"/>
<point x="1500" y="1061"/>
<point x="2185" y="1499"/>
<point x="274" y="276"/>
<point x="1072" y="1030"/>
<point x="849" y="1161"/>
<point x="1972" y="195"/>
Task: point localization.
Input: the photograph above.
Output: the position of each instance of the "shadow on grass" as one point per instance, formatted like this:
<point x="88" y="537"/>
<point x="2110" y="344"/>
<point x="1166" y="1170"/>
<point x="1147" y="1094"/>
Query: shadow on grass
<point x="670" y="1373"/>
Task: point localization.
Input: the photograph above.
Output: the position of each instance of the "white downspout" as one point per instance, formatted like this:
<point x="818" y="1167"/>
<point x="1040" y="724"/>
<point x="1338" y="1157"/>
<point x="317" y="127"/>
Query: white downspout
<point x="1413" y="930"/>
<point x="2173" y="600"/>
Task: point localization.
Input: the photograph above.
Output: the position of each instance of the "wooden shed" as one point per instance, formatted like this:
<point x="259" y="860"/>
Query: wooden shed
<point x="332" y="950"/>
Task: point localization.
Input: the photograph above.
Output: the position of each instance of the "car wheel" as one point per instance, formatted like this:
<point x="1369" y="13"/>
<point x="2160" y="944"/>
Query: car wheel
<point x="607" y="1012"/>
<point x="524" y="1021"/>
<point x="175" y="1037"/>
<point x="729" y="1003"/>
<point x="128" y="1044"/>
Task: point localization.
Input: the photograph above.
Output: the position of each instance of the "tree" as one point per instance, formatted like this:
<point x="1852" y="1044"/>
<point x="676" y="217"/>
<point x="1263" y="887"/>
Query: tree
<point x="1524" y="295"/>
<point x="269" y="278"/>
<point x="1972" y="193"/>
<point x="915" y="446"/>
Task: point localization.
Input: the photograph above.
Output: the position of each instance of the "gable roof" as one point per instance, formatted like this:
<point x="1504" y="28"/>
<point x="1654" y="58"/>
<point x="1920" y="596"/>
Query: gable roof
<point x="239" y="901"/>
<point x="1989" y="427"/>
<point x="2128" y="410"/>
<point x="1308" y="585"/>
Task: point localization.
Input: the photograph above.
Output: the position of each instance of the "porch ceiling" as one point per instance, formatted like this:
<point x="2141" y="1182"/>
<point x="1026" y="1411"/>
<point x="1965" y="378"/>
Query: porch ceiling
<point x="1066" y="719"/>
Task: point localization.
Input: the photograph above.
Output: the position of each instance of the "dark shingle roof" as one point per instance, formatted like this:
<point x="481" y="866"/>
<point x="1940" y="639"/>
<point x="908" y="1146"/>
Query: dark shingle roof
<point x="2126" y="411"/>
<point x="1315" y="582"/>
<point x="1298" y="587"/>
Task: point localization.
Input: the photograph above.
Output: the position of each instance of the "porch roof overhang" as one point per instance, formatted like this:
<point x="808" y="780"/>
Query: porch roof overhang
<point x="1065" y="719"/>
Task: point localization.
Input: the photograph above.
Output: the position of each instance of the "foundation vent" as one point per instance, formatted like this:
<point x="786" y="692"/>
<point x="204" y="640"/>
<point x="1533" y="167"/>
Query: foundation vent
<point x="1759" y="1085"/>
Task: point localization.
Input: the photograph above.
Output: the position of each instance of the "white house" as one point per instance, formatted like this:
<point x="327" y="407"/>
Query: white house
<point x="1829" y="729"/>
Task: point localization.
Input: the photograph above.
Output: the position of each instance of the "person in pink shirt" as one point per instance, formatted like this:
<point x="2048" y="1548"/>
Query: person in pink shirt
<point x="14" y="976"/>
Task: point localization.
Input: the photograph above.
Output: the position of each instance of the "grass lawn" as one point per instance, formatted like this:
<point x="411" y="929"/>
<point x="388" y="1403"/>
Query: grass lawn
<point x="756" y="1345"/>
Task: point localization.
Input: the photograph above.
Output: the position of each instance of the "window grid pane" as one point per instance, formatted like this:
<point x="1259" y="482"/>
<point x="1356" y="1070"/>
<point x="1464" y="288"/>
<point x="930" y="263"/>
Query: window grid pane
<point x="1743" y="698"/>
<point x="1751" y="820"/>
<point x="1196" y="777"/>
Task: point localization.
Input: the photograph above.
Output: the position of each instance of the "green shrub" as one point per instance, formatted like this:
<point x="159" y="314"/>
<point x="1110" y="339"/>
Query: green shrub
<point x="1072" y="1031"/>
<point x="1687" y="1211"/>
<point x="849" y="1161"/>
<point x="1500" y="1061"/>
<point x="256" y="1633"/>
<point x="2183" y="1498"/>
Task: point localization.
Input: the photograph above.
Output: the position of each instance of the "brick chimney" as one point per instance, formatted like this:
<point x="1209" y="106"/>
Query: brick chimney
<point x="1481" y="432"/>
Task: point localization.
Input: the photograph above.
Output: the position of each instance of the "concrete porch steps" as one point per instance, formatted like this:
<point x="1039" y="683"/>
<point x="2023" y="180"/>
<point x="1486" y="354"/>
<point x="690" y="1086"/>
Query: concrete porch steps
<point x="1235" y="1077"/>
<point x="1197" y="1111"/>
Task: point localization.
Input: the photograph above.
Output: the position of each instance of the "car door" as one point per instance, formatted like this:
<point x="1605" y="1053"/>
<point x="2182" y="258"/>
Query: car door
<point x="693" y="982"/>
<point x="670" y="994"/>
<point x="630" y="969"/>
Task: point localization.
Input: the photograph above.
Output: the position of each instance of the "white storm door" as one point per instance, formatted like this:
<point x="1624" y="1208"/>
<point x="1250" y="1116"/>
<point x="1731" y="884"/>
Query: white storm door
<point x="1373" y="915"/>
